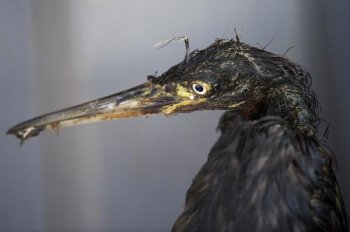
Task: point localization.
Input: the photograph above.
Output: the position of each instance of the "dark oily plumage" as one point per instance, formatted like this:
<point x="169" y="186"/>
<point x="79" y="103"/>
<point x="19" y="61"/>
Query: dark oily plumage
<point x="264" y="175"/>
<point x="268" y="171"/>
<point x="268" y="84"/>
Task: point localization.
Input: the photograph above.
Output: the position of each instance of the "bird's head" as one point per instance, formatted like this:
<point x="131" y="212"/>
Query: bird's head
<point x="228" y="75"/>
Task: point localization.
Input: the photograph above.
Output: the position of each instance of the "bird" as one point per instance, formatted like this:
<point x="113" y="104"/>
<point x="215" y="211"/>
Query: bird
<point x="268" y="171"/>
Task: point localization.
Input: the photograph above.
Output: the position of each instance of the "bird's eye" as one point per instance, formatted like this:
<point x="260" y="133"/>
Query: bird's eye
<point x="199" y="88"/>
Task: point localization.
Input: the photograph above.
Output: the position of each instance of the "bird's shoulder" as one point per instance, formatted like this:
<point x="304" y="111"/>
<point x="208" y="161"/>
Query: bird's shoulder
<point x="263" y="175"/>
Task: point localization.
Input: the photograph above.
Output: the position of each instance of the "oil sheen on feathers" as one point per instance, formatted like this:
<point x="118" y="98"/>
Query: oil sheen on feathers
<point x="263" y="175"/>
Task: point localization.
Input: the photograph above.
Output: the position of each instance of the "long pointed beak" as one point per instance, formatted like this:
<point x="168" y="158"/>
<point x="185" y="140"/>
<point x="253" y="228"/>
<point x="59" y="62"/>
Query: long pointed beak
<point x="144" y="99"/>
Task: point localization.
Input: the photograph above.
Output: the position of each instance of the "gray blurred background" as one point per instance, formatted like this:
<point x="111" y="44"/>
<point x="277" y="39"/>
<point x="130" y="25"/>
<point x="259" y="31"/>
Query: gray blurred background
<point x="132" y="174"/>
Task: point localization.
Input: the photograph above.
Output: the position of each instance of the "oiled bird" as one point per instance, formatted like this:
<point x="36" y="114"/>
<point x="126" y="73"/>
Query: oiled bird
<point x="268" y="171"/>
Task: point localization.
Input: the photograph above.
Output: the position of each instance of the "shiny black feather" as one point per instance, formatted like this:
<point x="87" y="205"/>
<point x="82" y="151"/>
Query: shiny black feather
<point x="264" y="175"/>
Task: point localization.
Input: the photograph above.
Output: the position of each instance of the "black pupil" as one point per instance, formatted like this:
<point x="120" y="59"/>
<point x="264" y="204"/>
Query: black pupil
<point x="199" y="88"/>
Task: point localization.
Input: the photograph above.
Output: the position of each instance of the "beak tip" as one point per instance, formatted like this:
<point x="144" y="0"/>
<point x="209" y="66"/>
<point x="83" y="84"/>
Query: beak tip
<point x="23" y="133"/>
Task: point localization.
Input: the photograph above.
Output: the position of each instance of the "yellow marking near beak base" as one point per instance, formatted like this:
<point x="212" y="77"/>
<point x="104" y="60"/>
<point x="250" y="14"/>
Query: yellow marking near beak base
<point x="172" y="108"/>
<point x="183" y="92"/>
<point x="189" y="99"/>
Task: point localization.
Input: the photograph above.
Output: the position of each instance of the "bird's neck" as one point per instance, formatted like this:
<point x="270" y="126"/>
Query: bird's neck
<point x="250" y="181"/>
<point x="296" y="107"/>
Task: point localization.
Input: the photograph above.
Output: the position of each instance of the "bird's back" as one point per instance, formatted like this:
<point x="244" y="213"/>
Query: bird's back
<point x="263" y="175"/>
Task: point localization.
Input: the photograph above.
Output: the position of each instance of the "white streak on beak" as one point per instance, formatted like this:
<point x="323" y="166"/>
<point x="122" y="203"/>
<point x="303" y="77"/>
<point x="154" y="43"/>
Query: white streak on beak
<point x="130" y="103"/>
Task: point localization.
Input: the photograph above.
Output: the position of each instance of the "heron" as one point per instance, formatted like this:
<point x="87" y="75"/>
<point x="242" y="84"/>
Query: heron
<point x="268" y="171"/>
